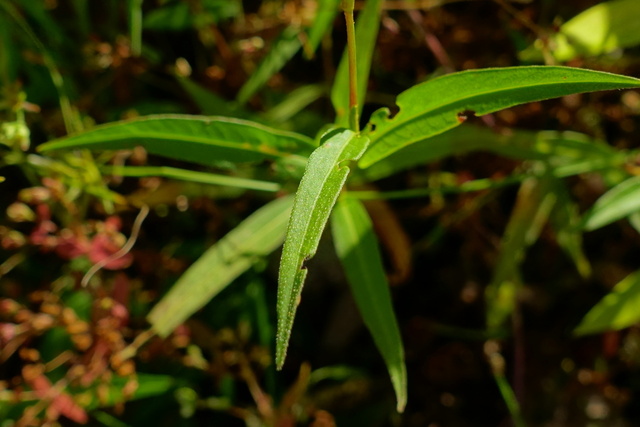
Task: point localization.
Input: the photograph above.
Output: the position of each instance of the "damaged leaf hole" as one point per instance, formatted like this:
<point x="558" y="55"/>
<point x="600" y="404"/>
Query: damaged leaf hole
<point x="464" y="115"/>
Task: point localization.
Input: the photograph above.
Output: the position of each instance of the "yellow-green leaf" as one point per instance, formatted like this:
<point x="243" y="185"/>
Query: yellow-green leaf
<point x="617" y="310"/>
<point x="598" y="30"/>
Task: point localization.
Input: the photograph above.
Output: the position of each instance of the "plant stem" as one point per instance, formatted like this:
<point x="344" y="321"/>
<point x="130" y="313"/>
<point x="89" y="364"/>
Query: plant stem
<point x="354" y="120"/>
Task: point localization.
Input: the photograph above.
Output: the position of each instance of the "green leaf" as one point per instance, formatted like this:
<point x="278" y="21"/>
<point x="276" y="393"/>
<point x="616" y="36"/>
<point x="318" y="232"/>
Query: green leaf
<point x="170" y="17"/>
<point x="294" y="103"/>
<point x="323" y="180"/>
<point x="210" y="103"/>
<point x="568" y="152"/>
<point x="282" y="50"/>
<point x="437" y="105"/>
<point x="530" y="213"/>
<point x="617" y="203"/>
<point x="598" y="30"/>
<point x="135" y="26"/>
<point x="565" y="220"/>
<point x="193" y="176"/>
<point x="367" y="27"/>
<point x="257" y="236"/>
<point x="202" y="140"/>
<point x="357" y="248"/>
<point x="617" y="310"/>
<point x="325" y="15"/>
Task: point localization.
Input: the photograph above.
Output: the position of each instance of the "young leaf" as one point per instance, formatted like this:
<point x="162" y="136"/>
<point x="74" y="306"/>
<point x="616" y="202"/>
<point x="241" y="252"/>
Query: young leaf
<point x="441" y="104"/>
<point x="601" y="29"/>
<point x="367" y="26"/>
<point x="357" y="248"/>
<point x="198" y="139"/>
<point x="323" y="179"/>
<point x="257" y="236"/>
<point x="617" y="310"/>
<point x="617" y="203"/>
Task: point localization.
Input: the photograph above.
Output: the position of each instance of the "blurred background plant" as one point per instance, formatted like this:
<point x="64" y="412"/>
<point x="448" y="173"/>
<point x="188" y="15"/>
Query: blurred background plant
<point x="459" y="227"/>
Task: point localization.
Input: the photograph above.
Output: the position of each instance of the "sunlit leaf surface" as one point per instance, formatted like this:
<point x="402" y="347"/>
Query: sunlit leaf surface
<point x="323" y="180"/>
<point x="198" y="139"/>
<point x="443" y="103"/>
<point x="617" y="310"/>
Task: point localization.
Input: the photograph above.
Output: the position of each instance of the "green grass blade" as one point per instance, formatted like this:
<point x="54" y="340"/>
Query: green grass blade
<point x="282" y="50"/>
<point x="532" y="208"/>
<point x="81" y="8"/>
<point x="498" y="363"/>
<point x="601" y="29"/>
<point x="202" y="140"/>
<point x="437" y="105"/>
<point x="325" y="15"/>
<point x="135" y="26"/>
<point x="69" y="114"/>
<point x="565" y="221"/>
<point x="367" y="26"/>
<point x="257" y="236"/>
<point x="617" y="310"/>
<point x="294" y="103"/>
<point x="357" y="248"/>
<point x="617" y="203"/>
<point x="210" y="103"/>
<point x="193" y="176"/>
<point x="323" y="180"/>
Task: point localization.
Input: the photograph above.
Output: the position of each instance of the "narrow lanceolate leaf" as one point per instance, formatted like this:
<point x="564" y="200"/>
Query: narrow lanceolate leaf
<point x="198" y="139"/>
<point x="443" y="103"/>
<point x="617" y="203"/>
<point x="617" y="310"/>
<point x="601" y="29"/>
<point x="357" y="248"/>
<point x="257" y="236"/>
<point x="323" y="179"/>
<point x="367" y="26"/>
